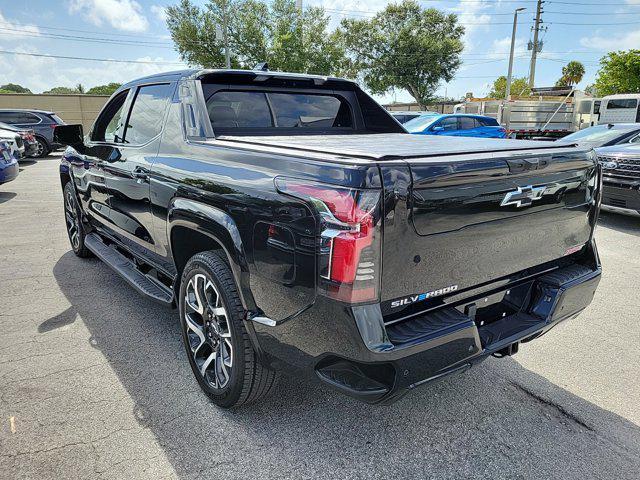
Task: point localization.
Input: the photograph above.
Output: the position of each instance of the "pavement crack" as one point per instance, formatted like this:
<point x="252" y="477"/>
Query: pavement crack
<point x="556" y="406"/>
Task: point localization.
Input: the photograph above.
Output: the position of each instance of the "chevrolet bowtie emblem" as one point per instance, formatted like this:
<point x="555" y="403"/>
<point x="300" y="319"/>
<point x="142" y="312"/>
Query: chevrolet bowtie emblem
<point x="523" y="196"/>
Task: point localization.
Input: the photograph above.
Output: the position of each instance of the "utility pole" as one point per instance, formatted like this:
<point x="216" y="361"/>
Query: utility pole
<point x="225" y="34"/>
<point x="513" y="44"/>
<point x="535" y="47"/>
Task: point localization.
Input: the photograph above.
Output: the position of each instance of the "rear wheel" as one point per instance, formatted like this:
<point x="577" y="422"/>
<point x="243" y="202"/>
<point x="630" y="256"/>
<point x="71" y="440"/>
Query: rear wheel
<point x="74" y="223"/>
<point x="42" y="149"/>
<point x="216" y="341"/>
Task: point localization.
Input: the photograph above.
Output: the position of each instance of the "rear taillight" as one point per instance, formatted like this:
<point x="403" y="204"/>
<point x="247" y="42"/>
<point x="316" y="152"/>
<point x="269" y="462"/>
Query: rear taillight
<point x="348" y="246"/>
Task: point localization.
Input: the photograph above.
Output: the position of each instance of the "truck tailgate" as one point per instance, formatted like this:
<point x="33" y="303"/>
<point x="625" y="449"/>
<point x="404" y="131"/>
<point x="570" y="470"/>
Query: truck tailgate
<point x="476" y="221"/>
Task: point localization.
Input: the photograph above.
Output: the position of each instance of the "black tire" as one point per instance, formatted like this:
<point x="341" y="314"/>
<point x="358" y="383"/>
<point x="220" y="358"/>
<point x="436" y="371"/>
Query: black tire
<point x="248" y="380"/>
<point x="43" y="149"/>
<point x="73" y="222"/>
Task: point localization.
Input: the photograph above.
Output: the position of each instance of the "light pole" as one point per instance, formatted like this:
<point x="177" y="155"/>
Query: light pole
<point x="507" y="95"/>
<point x="513" y="45"/>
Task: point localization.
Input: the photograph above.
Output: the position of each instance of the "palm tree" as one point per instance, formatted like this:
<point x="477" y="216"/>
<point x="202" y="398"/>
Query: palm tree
<point x="572" y="73"/>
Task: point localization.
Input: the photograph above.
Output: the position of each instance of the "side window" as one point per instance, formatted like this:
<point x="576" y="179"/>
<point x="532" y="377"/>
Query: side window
<point x="28" y="118"/>
<point x="596" y="107"/>
<point x="618" y="103"/>
<point x="450" y="123"/>
<point x="467" y="123"/>
<point x="147" y="113"/>
<point x="11" y="118"/>
<point x="108" y="125"/>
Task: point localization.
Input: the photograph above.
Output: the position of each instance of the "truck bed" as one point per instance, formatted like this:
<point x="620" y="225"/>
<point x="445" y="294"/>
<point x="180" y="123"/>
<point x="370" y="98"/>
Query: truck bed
<point x="390" y="146"/>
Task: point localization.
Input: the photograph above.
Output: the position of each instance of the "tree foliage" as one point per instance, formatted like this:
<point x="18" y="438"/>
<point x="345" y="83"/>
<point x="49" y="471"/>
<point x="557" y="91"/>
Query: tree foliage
<point x="276" y="32"/>
<point x="14" y="88"/>
<point x="619" y="73"/>
<point x="60" y="90"/>
<point x="572" y="74"/>
<point x="404" y="47"/>
<point x="107" y="89"/>
<point x="519" y="87"/>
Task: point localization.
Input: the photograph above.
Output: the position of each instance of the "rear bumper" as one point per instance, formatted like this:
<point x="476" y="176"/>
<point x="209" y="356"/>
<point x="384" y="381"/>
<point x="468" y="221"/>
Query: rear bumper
<point x="354" y="352"/>
<point x="9" y="172"/>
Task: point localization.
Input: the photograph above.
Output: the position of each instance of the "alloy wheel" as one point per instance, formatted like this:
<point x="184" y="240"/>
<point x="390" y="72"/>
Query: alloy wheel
<point x="71" y="215"/>
<point x="208" y="331"/>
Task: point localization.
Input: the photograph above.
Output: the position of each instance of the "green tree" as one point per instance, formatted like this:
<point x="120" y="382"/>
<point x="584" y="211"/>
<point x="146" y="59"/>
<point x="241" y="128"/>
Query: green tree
<point x="193" y="31"/>
<point x="14" y="88"/>
<point x="519" y="87"/>
<point x="572" y="74"/>
<point x="61" y="90"/>
<point x="107" y="89"/>
<point x="276" y="32"/>
<point x="404" y="47"/>
<point x="619" y="73"/>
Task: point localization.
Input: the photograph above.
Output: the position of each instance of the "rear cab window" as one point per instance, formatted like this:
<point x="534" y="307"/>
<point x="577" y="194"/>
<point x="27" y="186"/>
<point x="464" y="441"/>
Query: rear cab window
<point x="240" y="110"/>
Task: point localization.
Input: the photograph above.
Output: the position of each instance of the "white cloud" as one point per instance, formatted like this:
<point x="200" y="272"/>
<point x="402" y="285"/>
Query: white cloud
<point x="471" y="16"/>
<point x="42" y="73"/>
<point x="612" y="42"/>
<point x="120" y="14"/>
<point x="501" y="47"/>
<point x="160" y="12"/>
<point x="12" y="30"/>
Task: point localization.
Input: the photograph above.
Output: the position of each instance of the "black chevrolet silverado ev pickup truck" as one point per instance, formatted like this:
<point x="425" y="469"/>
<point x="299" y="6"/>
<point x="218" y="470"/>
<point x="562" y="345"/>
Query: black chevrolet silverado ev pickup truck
<point x="297" y="226"/>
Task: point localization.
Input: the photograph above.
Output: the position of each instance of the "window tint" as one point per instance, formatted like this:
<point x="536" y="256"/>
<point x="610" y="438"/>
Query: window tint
<point x="450" y="123"/>
<point x="622" y="103"/>
<point x="18" y="117"/>
<point x="108" y="125"/>
<point x="147" y="113"/>
<point x="277" y="110"/>
<point x="467" y="123"/>
<point x="316" y="111"/>
<point x="487" y="122"/>
<point x="239" y="110"/>
<point x="596" y="107"/>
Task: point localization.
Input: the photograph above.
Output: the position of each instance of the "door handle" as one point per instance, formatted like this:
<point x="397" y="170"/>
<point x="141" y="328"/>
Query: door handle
<point x="140" y="174"/>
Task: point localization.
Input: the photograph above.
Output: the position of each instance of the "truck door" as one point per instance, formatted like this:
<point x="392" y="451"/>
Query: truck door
<point x="103" y="147"/>
<point x="128" y="174"/>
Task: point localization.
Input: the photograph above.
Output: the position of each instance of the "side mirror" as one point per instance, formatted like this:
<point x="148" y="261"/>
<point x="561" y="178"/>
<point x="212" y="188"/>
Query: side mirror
<point x="71" y="135"/>
<point x="437" y="128"/>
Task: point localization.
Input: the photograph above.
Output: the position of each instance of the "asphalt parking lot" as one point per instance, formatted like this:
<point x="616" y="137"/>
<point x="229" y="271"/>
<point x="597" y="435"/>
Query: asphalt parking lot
<point x="95" y="384"/>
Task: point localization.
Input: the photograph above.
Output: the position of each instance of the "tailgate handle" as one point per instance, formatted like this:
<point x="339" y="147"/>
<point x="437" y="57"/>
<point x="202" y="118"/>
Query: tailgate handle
<point x="517" y="165"/>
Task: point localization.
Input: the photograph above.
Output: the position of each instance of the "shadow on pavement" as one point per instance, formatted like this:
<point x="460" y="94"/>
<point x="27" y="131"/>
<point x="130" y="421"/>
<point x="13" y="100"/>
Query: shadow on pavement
<point x="6" y="196"/>
<point x="498" y="419"/>
<point x="621" y="223"/>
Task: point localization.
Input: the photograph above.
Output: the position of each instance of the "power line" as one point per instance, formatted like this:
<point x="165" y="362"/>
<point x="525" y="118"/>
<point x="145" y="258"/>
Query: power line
<point x="65" y="57"/>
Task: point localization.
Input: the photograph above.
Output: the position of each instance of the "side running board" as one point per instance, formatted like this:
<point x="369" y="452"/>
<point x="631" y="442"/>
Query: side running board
<point x="144" y="284"/>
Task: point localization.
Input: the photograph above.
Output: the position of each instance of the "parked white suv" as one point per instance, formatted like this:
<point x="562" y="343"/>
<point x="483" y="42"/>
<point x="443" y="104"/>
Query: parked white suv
<point x="15" y="142"/>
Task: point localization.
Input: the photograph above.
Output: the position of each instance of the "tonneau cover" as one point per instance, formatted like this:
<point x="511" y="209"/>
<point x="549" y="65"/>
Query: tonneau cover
<point x="387" y="146"/>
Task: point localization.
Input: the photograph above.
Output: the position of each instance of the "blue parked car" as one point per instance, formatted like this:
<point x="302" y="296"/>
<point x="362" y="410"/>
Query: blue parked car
<point x="458" y="125"/>
<point x="8" y="164"/>
<point x="42" y="122"/>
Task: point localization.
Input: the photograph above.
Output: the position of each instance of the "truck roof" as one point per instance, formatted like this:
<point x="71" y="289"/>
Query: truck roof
<point x="222" y="72"/>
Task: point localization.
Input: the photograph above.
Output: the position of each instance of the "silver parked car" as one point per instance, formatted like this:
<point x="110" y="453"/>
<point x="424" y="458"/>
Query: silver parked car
<point x="621" y="178"/>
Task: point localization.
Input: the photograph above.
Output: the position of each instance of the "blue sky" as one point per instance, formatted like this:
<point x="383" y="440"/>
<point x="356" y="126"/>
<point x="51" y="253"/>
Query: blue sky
<point x="581" y="30"/>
